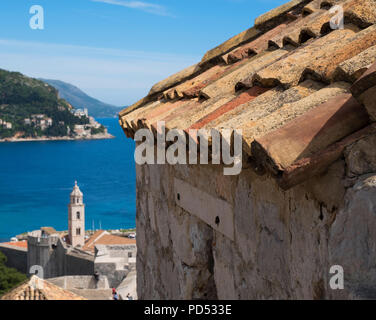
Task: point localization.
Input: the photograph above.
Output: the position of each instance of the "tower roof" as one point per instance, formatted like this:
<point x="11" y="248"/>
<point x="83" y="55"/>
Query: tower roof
<point x="76" y="191"/>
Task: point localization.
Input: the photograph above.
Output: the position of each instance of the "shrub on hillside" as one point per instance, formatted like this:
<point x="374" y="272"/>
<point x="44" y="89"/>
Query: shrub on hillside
<point x="9" y="277"/>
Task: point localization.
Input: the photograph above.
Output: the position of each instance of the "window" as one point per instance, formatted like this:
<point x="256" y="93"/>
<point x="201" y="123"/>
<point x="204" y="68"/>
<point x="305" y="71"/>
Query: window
<point x="129" y="254"/>
<point x="78" y="200"/>
<point x="78" y="231"/>
<point x="78" y="215"/>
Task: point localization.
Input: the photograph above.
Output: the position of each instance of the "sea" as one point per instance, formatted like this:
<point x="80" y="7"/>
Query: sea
<point x="36" y="179"/>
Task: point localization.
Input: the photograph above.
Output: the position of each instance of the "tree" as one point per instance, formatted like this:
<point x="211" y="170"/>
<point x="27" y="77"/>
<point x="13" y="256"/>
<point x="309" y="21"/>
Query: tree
<point x="9" y="277"/>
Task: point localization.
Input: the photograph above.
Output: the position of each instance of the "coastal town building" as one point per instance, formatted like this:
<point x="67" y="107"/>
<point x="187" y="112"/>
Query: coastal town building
<point x="94" y="123"/>
<point x="86" y="130"/>
<point x="80" y="112"/>
<point x="38" y="289"/>
<point x="81" y="131"/>
<point x="301" y="88"/>
<point x="5" y="124"/>
<point x="74" y="256"/>
<point x="39" y="120"/>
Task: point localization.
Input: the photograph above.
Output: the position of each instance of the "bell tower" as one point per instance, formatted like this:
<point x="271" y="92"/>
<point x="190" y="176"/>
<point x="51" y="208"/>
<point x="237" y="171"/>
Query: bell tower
<point x="76" y="217"/>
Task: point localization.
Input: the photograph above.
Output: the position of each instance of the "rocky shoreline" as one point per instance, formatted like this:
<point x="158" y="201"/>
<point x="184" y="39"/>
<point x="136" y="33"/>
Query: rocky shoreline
<point x="66" y="138"/>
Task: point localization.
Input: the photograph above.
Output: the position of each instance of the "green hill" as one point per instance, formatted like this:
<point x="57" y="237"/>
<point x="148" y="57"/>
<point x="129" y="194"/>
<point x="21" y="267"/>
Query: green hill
<point x="80" y="100"/>
<point x="32" y="108"/>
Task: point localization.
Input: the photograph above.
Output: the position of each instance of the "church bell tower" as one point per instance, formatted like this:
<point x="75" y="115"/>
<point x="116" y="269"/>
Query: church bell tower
<point x="76" y="217"/>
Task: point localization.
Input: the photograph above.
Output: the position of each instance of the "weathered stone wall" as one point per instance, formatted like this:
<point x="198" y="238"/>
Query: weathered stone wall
<point x="284" y="242"/>
<point x="56" y="261"/>
<point x="114" y="262"/>
<point x="41" y="254"/>
<point x="78" y="265"/>
<point x="16" y="257"/>
<point x="80" y="282"/>
<point x="85" y="286"/>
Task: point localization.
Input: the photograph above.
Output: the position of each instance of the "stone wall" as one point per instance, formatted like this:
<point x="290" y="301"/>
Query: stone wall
<point x="56" y="260"/>
<point x="85" y="286"/>
<point x="277" y="245"/>
<point x="128" y="286"/>
<point x="114" y="262"/>
<point x="79" y="264"/>
<point x="80" y="282"/>
<point x="16" y="257"/>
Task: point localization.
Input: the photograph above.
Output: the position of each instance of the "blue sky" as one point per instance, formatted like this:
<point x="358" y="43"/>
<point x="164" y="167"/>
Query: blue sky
<point x="115" y="50"/>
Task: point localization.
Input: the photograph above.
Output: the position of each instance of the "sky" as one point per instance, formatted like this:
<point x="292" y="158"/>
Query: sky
<point x="115" y="50"/>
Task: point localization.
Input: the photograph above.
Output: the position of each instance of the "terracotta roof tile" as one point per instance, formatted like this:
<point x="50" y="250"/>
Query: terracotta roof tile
<point x="366" y="81"/>
<point x="256" y="46"/>
<point x="368" y="99"/>
<point x="311" y="7"/>
<point x="109" y="239"/>
<point x="308" y="134"/>
<point x="360" y="12"/>
<point x="226" y="84"/>
<point x="351" y="69"/>
<point x="278" y="15"/>
<point x="364" y="90"/>
<point x="39" y="289"/>
<point x="245" y="97"/>
<point x="200" y="110"/>
<point x="289" y="111"/>
<point x="269" y="80"/>
<point x="174" y="79"/>
<point x="308" y="167"/>
<point x="228" y="45"/>
<point x="264" y="105"/>
<point x="19" y="244"/>
<point x="103" y="237"/>
<point x="95" y="237"/>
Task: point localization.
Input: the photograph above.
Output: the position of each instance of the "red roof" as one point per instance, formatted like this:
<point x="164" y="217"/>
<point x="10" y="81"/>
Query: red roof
<point x="290" y="73"/>
<point x="102" y="237"/>
<point x="20" y="244"/>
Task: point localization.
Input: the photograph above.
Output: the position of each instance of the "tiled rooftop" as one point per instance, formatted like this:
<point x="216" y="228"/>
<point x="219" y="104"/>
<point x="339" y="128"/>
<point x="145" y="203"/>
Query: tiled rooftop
<point x="38" y="289"/>
<point x="287" y="83"/>
<point x="104" y="238"/>
<point x="19" y="244"/>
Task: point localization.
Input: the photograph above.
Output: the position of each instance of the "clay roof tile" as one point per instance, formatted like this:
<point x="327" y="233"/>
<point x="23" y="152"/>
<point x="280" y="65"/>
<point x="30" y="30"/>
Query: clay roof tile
<point x="285" y="79"/>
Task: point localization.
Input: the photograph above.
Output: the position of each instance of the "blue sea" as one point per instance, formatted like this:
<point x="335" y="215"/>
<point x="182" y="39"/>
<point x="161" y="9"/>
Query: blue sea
<point x="36" y="179"/>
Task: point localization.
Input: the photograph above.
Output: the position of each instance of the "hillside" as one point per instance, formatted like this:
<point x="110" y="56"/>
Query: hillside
<point x="79" y="99"/>
<point x="30" y="108"/>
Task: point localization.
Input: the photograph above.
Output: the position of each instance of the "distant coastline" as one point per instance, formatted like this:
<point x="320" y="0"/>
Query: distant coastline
<point x="66" y="138"/>
<point x="35" y="177"/>
<point x="117" y="232"/>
